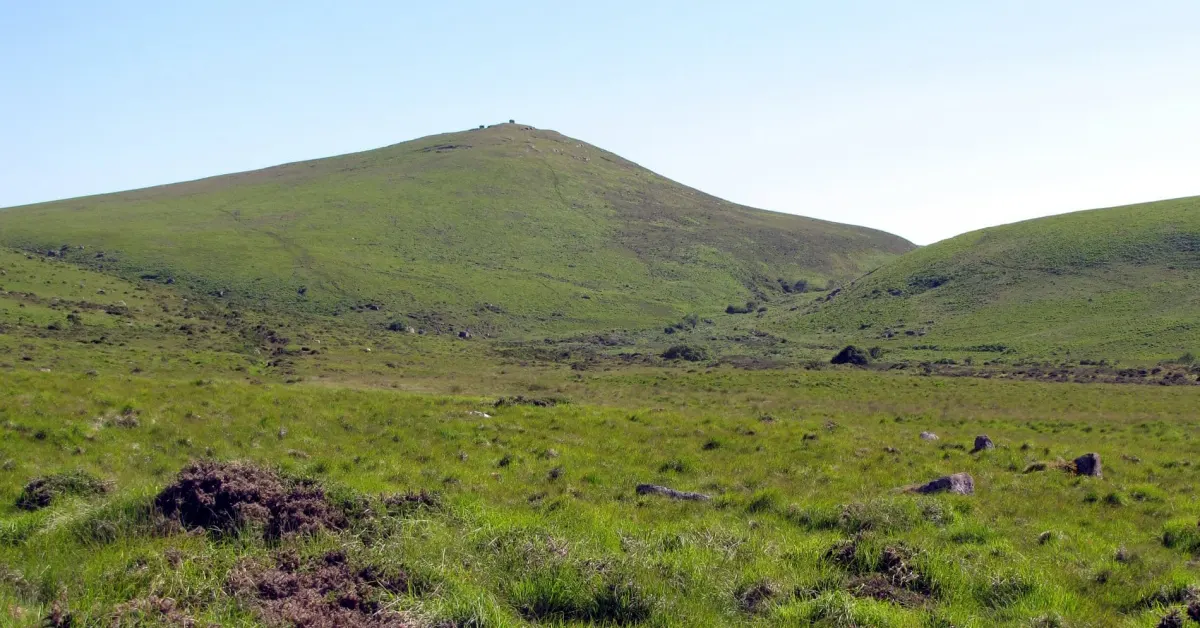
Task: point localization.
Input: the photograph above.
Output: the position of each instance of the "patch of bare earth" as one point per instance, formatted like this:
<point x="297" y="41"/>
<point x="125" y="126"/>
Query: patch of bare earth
<point x="223" y="497"/>
<point x="326" y="592"/>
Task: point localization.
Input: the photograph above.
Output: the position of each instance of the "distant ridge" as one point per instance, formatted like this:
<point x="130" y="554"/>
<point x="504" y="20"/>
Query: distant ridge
<point x="1121" y="282"/>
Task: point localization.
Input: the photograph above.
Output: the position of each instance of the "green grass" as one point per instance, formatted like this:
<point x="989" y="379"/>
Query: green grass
<point x="515" y="231"/>
<point x="113" y="378"/>
<point x="1117" y="284"/>
<point x="512" y="543"/>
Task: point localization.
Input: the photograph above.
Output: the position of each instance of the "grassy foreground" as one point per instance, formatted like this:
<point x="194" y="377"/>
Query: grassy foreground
<point x="532" y="515"/>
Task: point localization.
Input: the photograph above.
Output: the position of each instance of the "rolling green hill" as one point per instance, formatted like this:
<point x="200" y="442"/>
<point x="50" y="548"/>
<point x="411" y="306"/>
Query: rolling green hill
<point x="508" y="229"/>
<point x="1110" y="283"/>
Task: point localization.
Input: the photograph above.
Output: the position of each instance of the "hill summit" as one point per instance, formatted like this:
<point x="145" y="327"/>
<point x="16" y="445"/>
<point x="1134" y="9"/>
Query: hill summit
<point x="505" y="229"/>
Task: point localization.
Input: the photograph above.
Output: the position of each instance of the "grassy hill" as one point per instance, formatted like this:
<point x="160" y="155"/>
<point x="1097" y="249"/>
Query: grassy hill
<point x="507" y="229"/>
<point x="1110" y="283"/>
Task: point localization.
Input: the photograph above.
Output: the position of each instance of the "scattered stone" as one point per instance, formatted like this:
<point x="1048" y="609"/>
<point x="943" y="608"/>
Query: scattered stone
<point x="959" y="483"/>
<point x="651" y="489"/>
<point x="1087" y="464"/>
<point x="982" y="442"/>
<point x="928" y="436"/>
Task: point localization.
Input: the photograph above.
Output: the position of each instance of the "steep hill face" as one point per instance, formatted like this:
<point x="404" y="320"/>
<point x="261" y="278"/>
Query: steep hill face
<point x="508" y="229"/>
<point x="1109" y="283"/>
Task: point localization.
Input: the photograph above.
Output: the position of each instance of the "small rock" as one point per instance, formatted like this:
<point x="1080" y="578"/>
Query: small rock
<point x="982" y="442"/>
<point x="928" y="436"/>
<point x="1088" y="464"/>
<point x="959" y="483"/>
<point x="651" y="489"/>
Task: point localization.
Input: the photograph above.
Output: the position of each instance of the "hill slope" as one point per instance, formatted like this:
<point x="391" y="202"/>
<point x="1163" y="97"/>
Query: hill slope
<point x="505" y="229"/>
<point x="1119" y="283"/>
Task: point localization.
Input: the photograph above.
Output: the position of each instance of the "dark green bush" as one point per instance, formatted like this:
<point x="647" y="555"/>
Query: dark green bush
<point x="686" y="352"/>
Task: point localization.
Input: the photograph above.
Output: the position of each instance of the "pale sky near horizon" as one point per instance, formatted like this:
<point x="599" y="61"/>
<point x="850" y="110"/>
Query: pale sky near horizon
<point x="926" y="119"/>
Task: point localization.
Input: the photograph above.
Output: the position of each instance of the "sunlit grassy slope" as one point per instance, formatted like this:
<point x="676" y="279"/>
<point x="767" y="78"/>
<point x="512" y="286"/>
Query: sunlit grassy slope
<point x="1118" y="282"/>
<point x="504" y="229"/>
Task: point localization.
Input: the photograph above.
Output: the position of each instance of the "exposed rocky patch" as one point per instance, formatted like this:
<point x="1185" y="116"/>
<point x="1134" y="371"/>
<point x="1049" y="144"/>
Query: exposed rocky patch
<point x="651" y="489"/>
<point x="521" y="400"/>
<point x="959" y="483"/>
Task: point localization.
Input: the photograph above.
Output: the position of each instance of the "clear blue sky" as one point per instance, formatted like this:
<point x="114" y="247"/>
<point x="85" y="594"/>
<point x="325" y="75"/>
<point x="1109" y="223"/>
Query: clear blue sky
<point x="926" y="118"/>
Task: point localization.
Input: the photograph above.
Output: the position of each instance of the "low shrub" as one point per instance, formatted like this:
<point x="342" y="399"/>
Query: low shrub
<point x="1181" y="534"/>
<point x="686" y="352"/>
<point x="41" y="492"/>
